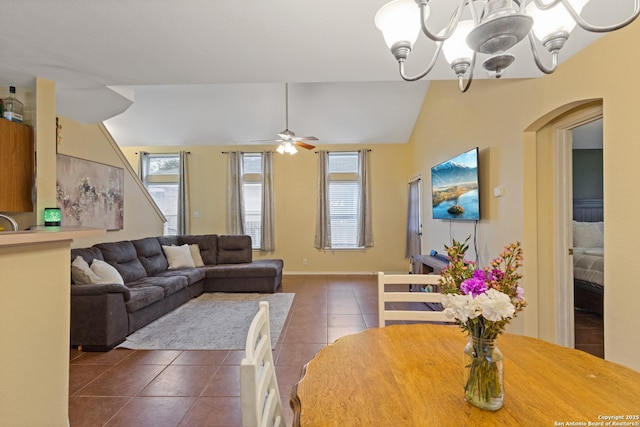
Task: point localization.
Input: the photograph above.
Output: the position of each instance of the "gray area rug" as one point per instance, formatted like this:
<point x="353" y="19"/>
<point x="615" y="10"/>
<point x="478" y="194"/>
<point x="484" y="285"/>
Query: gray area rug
<point x="213" y="321"/>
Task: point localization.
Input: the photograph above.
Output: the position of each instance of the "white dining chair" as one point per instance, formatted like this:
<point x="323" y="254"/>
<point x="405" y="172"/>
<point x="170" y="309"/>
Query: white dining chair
<point x="259" y="394"/>
<point x="387" y="312"/>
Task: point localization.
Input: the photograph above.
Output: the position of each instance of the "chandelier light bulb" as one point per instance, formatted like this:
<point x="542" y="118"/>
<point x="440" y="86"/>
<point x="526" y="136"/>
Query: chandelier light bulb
<point x="399" y="22"/>
<point x="553" y="21"/>
<point x="455" y="48"/>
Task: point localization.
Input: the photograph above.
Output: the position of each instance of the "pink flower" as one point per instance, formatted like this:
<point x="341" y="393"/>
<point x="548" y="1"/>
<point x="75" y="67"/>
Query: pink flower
<point x="474" y="285"/>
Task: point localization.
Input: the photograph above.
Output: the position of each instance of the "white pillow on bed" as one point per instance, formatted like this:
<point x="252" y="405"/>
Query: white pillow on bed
<point x="588" y="234"/>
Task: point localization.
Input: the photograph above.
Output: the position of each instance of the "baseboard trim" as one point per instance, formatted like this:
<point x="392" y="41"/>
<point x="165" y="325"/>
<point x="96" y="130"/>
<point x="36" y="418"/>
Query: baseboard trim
<point x="329" y="273"/>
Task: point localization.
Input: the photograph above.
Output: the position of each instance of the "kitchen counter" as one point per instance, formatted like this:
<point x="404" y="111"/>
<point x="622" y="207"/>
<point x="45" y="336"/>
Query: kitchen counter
<point x="34" y="324"/>
<point x="47" y="234"/>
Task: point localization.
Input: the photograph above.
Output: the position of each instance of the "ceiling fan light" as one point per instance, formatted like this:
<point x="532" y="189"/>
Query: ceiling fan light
<point x="554" y="20"/>
<point x="280" y="149"/>
<point x="289" y="148"/>
<point x="399" y="22"/>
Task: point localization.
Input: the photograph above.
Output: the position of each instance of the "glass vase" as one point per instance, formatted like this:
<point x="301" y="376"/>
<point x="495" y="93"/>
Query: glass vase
<point x="483" y="373"/>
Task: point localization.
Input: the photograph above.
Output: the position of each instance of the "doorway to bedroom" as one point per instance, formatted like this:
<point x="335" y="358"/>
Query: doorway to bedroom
<point x="588" y="236"/>
<point x="548" y="218"/>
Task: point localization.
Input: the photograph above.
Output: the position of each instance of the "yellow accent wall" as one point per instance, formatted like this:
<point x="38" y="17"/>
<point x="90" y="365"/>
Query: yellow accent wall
<point x="501" y="118"/>
<point x="93" y="142"/>
<point x="295" y="183"/>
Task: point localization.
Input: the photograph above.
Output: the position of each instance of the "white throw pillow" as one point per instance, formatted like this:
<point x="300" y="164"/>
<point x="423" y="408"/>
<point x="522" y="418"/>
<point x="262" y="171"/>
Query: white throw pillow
<point x="588" y="234"/>
<point x="178" y="256"/>
<point x="81" y="273"/>
<point x="196" y="255"/>
<point x="106" y="272"/>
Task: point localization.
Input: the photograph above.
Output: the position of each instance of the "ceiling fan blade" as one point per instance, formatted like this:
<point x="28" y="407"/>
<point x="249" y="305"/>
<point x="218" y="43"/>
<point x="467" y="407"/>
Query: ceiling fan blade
<point x="304" y="145"/>
<point x="267" y="140"/>
<point x="305" y="138"/>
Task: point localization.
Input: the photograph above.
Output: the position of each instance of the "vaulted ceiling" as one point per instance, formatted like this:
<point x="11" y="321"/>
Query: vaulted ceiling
<point x="212" y="71"/>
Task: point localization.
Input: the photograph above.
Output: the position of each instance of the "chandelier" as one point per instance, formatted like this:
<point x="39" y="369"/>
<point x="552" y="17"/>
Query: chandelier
<point x="494" y="28"/>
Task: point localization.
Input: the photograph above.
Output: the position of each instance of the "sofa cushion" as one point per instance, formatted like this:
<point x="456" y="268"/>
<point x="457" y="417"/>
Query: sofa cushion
<point x="234" y="249"/>
<point x="106" y="272"/>
<point x="208" y="244"/>
<point x="168" y="240"/>
<point x="178" y="257"/>
<point x="142" y="296"/>
<point x="123" y="256"/>
<point x="169" y="285"/>
<point x="258" y="268"/>
<point x="150" y="255"/>
<point x="89" y="254"/>
<point x="193" y="275"/>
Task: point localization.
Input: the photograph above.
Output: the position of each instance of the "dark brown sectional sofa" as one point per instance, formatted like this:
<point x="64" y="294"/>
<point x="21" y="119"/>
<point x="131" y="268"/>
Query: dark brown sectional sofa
<point x="102" y="315"/>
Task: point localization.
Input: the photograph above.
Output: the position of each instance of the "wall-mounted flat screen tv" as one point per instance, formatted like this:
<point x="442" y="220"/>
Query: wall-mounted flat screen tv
<point x="455" y="189"/>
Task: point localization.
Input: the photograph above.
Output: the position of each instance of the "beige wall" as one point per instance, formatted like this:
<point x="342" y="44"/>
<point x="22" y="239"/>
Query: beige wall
<point x="295" y="180"/>
<point x="494" y="116"/>
<point x="34" y="329"/>
<point x="93" y="142"/>
<point x="36" y="315"/>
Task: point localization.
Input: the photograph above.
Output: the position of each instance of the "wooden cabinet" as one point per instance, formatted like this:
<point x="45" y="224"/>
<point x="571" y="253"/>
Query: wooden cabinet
<point x="17" y="167"/>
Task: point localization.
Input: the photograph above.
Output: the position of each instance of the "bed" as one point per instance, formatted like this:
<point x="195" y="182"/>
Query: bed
<point x="588" y="254"/>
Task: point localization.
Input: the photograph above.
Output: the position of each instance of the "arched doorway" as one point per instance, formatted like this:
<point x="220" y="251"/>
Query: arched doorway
<point x="548" y="215"/>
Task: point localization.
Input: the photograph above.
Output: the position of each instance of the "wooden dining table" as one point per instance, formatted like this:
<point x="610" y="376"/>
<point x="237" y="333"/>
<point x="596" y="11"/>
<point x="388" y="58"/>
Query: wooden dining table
<point x="411" y="375"/>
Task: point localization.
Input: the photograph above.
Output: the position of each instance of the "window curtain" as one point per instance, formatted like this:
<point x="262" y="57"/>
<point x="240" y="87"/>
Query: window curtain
<point x="143" y="167"/>
<point x="235" y="207"/>
<point x="365" y="229"/>
<point x="183" y="195"/>
<point x="323" y="222"/>
<point x="267" y="238"/>
<point x="413" y="220"/>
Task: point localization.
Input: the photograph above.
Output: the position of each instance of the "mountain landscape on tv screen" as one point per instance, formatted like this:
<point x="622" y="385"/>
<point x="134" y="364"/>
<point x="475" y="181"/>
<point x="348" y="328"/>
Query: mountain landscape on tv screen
<point x="452" y="173"/>
<point x="455" y="191"/>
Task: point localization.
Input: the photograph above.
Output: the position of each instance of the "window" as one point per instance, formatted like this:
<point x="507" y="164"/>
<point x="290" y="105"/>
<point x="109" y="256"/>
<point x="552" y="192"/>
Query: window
<point x="252" y="196"/>
<point x="162" y="181"/>
<point x="344" y="196"/>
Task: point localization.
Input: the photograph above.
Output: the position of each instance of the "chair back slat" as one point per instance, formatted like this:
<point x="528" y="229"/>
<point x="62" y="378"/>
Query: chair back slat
<point x="259" y="394"/>
<point x="387" y="298"/>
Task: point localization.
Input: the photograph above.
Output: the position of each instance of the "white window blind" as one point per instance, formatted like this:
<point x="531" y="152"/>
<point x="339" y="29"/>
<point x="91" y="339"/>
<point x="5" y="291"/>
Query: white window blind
<point x="344" y="193"/>
<point x="162" y="183"/>
<point x="252" y="192"/>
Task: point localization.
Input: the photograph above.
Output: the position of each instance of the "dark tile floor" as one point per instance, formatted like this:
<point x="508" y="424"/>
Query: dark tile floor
<point x="589" y="332"/>
<point x="201" y="388"/>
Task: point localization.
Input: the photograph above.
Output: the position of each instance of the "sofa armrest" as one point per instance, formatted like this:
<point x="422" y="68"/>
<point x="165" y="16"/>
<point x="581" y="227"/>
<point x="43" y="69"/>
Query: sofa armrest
<point x="101" y="289"/>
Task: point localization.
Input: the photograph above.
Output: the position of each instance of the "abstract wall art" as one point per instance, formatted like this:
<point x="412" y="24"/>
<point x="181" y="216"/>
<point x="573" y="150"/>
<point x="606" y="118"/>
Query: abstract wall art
<point x="89" y="194"/>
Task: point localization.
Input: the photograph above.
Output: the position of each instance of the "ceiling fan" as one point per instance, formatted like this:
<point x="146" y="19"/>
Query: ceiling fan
<point x="288" y="140"/>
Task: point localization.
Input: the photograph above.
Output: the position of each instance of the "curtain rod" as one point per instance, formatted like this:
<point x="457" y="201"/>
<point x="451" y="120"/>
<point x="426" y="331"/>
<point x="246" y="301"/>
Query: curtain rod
<point x="249" y="152"/>
<point x="345" y="151"/>
<point x="188" y="152"/>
